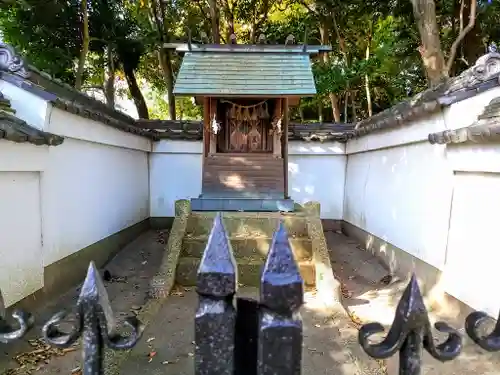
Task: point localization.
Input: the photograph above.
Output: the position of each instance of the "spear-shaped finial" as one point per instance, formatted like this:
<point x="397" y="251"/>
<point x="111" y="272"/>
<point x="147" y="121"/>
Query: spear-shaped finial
<point x="94" y="323"/>
<point x="410" y="333"/>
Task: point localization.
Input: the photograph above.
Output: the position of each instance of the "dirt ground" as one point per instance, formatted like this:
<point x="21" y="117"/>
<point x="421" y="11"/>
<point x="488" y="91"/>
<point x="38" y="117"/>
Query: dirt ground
<point x="368" y="299"/>
<point x="330" y="341"/>
<point x="330" y="337"/>
<point x="131" y="271"/>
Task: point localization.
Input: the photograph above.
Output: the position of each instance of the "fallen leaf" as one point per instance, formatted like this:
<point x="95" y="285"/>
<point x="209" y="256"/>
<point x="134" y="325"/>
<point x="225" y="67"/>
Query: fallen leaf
<point x="190" y="354"/>
<point x="150" y="339"/>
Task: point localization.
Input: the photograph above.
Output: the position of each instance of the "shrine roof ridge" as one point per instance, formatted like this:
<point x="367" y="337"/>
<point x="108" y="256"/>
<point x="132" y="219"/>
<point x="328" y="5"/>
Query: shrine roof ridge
<point x="248" y="48"/>
<point x="193" y="130"/>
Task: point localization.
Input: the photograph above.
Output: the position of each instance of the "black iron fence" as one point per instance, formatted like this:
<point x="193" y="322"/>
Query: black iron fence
<point x="256" y="337"/>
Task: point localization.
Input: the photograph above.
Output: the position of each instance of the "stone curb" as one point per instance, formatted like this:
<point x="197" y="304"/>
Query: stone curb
<point x="160" y="286"/>
<point x="327" y="287"/>
<point x="163" y="282"/>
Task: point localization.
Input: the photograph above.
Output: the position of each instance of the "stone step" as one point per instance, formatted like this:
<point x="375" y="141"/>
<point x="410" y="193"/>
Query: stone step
<point x="246" y="247"/>
<point x="242" y="204"/>
<point x="249" y="271"/>
<point x="243" y="224"/>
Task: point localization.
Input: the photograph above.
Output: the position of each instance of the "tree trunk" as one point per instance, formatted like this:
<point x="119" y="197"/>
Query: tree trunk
<point x="334" y="100"/>
<point x="135" y="92"/>
<point x="229" y="17"/>
<point x="320" y="111"/>
<point x="214" y="16"/>
<point x="301" y="114"/>
<point x="85" y="46"/>
<point x="424" y="12"/>
<point x="353" y="109"/>
<point x="109" y="86"/>
<point x="165" y="60"/>
<point x="472" y="43"/>
<point x="344" y="54"/>
<point x="346" y="106"/>
<point x="367" y="83"/>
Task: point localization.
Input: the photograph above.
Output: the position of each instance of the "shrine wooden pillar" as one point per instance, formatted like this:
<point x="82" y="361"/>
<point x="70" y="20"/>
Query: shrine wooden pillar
<point x="206" y="126"/>
<point x="277" y="129"/>
<point x="213" y="117"/>
<point x="284" y="144"/>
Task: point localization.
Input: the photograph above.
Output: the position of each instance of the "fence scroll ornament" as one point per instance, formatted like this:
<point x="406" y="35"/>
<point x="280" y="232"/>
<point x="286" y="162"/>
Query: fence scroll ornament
<point x="410" y="333"/>
<point x="7" y="332"/>
<point x="94" y="324"/>
<point x="258" y="337"/>
<point x="490" y="342"/>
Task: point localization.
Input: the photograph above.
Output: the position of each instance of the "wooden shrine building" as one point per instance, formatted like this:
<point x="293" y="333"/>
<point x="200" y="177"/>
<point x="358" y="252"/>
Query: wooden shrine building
<point x="246" y="92"/>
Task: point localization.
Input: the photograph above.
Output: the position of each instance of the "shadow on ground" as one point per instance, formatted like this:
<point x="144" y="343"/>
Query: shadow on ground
<point x="330" y="341"/>
<point x="167" y="347"/>
<point x="130" y="272"/>
<point x="368" y="298"/>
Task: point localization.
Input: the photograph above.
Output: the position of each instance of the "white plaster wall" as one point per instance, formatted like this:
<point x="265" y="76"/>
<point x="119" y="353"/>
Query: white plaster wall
<point x="438" y="203"/>
<point x="77" y="127"/>
<point x="55" y="201"/>
<point x="28" y="106"/>
<point x="21" y="238"/>
<point x="175" y="173"/>
<point x="316" y="172"/>
<point x="411" y="132"/>
<point x="472" y="256"/>
<point x="96" y="184"/>
<point x="402" y="195"/>
<point x="471" y="271"/>
<point x="91" y="191"/>
<point x="22" y="157"/>
<point x="465" y="112"/>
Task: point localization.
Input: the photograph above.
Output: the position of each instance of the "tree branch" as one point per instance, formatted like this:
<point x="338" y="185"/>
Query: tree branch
<point x="462" y="34"/>
<point x="95" y="87"/>
<point x="309" y="9"/>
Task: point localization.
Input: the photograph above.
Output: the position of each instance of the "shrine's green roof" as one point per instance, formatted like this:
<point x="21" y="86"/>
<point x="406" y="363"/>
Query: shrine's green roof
<point x="240" y="74"/>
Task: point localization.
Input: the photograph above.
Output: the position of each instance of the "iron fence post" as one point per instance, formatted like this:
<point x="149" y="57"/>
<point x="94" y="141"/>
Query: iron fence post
<point x="281" y="296"/>
<point x="94" y="324"/>
<point x="410" y="333"/>
<point x="216" y="317"/>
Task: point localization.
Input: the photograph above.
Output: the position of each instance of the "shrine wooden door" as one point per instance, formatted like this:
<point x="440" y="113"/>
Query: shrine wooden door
<point x="246" y="129"/>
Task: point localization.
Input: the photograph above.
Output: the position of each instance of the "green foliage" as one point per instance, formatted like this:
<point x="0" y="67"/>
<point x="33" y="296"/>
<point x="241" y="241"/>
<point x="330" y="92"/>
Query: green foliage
<point x="46" y="32"/>
<point x="185" y="107"/>
<point x="375" y="42"/>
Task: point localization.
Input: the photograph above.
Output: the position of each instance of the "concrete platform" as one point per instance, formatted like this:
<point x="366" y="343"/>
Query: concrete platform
<point x="242" y="204"/>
